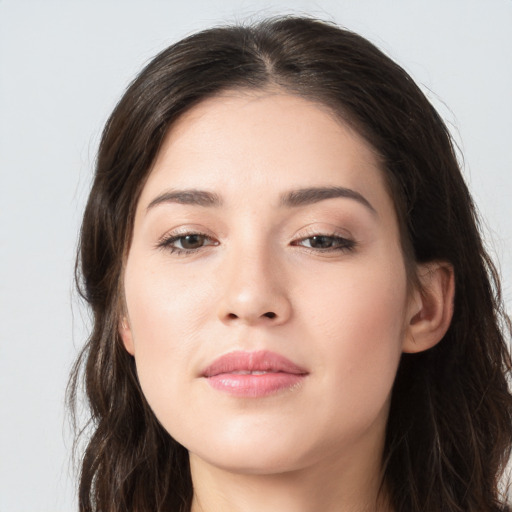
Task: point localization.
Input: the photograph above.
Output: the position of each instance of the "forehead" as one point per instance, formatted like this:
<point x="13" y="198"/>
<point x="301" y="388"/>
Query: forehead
<point x="263" y="142"/>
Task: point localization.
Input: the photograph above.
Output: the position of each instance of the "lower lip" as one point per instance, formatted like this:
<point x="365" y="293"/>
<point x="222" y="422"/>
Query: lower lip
<point x="253" y="386"/>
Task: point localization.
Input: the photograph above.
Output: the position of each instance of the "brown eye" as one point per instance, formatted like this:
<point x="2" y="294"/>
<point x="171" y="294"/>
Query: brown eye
<point x="191" y="241"/>
<point x="326" y="243"/>
<point x="188" y="243"/>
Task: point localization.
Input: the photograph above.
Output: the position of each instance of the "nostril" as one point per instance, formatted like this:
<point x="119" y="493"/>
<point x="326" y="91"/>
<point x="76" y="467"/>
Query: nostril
<point x="234" y="316"/>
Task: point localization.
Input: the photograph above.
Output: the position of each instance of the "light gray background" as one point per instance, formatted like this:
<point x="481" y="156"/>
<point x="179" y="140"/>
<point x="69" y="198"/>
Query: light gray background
<point x="63" y="65"/>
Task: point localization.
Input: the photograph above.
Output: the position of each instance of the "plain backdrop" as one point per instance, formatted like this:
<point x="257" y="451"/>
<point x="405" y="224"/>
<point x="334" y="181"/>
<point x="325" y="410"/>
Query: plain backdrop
<point x="63" y="66"/>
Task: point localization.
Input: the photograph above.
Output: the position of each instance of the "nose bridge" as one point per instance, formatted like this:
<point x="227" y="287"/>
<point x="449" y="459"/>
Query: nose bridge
<point x="253" y="284"/>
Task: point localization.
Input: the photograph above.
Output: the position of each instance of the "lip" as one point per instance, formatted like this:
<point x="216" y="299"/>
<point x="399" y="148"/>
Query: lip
<point x="233" y="373"/>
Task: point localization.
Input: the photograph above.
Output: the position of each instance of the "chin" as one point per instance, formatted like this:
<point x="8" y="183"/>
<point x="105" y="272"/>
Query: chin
<point x="254" y="449"/>
<point x="253" y="460"/>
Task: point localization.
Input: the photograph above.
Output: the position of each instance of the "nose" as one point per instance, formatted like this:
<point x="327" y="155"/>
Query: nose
<point x="253" y="290"/>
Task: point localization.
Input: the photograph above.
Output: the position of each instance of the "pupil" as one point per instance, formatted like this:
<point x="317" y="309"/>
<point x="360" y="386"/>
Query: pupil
<point x="321" y="242"/>
<point x="192" y="241"/>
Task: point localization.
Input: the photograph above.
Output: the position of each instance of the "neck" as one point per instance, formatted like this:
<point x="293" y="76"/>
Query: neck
<point x="344" y="483"/>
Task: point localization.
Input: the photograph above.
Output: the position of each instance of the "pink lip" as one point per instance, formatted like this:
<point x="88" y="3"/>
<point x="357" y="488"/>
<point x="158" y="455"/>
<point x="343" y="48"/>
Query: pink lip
<point x="229" y="373"/>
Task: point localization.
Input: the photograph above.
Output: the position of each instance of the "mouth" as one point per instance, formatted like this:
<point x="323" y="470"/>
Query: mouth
<point x="253" y="374"/>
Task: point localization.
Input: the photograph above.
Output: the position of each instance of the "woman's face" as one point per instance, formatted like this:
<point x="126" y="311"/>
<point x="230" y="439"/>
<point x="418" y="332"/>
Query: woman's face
<point x="265" y="287"/>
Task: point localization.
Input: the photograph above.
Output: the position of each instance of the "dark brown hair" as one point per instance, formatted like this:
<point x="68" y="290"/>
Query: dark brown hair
<point x="450" y="424"/>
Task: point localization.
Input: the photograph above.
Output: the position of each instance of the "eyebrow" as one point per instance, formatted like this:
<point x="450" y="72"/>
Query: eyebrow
<point x="291" y="199"/>
<point x="306" y="196"/>
<point x="191" y="196"/>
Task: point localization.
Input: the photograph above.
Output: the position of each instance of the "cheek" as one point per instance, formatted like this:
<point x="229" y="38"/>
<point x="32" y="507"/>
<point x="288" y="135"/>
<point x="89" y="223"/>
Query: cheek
<point x="165" y="317"/>
<point x="162" y="302"/>
<point x="358" y="325"/>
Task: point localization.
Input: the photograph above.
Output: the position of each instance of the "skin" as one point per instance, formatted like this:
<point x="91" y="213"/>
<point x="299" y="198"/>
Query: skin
<point x="344" y="315"/>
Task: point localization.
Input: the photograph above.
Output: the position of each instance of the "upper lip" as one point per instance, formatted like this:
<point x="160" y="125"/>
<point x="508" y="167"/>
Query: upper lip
<point x="262" y="360"/>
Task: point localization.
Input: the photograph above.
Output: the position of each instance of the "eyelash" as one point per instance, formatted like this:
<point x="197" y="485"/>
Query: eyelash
<point x="167" y="242"/>
<point x="342" y="244"/>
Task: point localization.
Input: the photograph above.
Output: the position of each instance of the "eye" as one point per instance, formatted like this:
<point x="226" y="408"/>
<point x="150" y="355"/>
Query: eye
<point x="185" y="243"/>
<point x="326" y="243"/>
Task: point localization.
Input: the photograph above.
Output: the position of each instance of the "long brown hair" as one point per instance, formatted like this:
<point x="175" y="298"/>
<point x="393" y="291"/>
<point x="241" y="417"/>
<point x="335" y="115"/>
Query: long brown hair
<point x="450" y="424"/>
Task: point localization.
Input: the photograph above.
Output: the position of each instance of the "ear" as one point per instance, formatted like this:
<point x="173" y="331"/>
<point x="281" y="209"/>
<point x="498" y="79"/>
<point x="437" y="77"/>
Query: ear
<point x="430" y="307"/>
<point x="125" y="332"/>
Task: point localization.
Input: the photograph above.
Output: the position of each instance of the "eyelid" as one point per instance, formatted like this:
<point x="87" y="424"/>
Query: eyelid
<point x="186" y="229"/>
<point x="348" y="243"/>
<point x="165" y="241"/>
<point x="325" y="230"/>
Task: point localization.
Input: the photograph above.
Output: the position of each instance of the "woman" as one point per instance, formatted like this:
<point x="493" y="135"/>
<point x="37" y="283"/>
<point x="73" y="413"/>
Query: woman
<point x="293" y="309"/>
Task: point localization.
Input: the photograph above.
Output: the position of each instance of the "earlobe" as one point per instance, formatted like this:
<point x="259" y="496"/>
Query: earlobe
<point x="431" y="307"/>
<point x="126" y="335"/>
